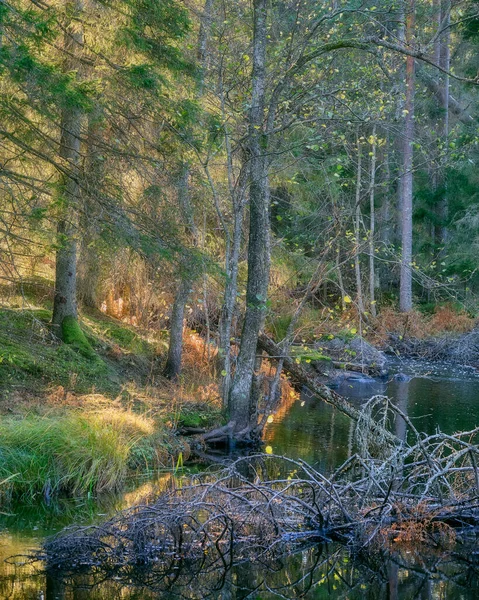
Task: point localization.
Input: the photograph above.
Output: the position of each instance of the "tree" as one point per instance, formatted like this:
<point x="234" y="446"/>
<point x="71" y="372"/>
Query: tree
<point x="259" y="228"/>
<point x="405" y="294"/>
<point x="65" y="312"/>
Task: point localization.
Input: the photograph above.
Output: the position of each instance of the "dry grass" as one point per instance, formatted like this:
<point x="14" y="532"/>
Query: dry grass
<point x="415" y="324"/>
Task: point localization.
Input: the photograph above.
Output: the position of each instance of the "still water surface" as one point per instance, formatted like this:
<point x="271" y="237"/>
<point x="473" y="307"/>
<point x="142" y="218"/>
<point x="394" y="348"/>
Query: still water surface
<point x="437" y="396"/>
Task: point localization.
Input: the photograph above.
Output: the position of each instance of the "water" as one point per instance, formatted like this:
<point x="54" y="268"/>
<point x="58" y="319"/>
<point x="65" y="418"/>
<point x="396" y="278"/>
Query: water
<point x="437" y="396"/>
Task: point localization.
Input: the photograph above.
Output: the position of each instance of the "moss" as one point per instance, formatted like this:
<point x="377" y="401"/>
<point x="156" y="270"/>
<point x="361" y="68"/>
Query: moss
<point x="29" y="359"/>
<point x="73" y="335"/>
<point x="199" y="415"/>
<point x="101" y="328"/>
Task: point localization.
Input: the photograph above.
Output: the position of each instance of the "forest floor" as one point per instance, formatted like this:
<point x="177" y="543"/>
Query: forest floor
<point x="73" y="424"/>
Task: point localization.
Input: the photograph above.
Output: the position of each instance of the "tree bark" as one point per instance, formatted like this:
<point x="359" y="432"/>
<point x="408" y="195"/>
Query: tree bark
<point x="357" y="222"/>
<point x="372" y="272"/>
<point x="405" y="295"/>
<point x="65" y="304"/>
<point x="187" y="276"/>
<point x="259" y="230"/>
<point x="175" y="347"/>
<point x="444" y="61"/>
<point x="88" y="280"/>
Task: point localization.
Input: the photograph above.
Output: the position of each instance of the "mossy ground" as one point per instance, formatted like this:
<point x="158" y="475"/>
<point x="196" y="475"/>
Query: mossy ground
<point x="77" y="422"/>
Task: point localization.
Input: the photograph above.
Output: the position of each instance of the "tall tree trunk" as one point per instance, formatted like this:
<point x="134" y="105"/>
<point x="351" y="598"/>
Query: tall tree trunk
<point x="444" y="61"/>
<point x="405" y="296"/>
<point x="231" y="288"/>
<point x="259" y="230"/>
<point x="65" y="304"/>
<point x="372" y="271"/>
<point x="386" y="234"/>
<point x="175" y="347"/>
<point x="357" y="235"/>
<point x="187" y="276"/>
<point x="237" y="189"/>
<point x="88" y="282"/>
<point x="340" y="275"/>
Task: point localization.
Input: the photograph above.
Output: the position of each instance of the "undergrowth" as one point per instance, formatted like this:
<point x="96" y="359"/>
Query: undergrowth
<point x="445" y="319"/>
<point x="77" y="453"/>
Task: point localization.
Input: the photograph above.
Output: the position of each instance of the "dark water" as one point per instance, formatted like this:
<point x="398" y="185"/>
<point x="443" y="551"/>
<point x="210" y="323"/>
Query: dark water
<point x="436" y="396"/>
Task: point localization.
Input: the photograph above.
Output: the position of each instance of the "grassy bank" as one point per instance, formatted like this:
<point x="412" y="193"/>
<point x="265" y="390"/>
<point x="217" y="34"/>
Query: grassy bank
<point x="75" y="424"/>
<point x="76" y="453"/>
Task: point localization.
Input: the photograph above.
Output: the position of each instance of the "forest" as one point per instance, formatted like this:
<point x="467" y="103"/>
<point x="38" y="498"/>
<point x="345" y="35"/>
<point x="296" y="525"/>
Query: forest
<point x="238" y="262"/>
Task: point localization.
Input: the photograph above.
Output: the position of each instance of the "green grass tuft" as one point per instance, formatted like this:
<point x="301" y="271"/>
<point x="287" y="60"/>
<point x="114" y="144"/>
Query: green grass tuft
<point x="74" y="454"/>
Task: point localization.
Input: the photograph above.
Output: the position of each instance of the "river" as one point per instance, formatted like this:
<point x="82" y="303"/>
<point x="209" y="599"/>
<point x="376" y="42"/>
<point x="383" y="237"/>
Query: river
<point x="434" y="395"/>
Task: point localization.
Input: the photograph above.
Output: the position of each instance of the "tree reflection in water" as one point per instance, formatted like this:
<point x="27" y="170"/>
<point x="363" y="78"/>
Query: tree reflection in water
<point x="320" y="571"/>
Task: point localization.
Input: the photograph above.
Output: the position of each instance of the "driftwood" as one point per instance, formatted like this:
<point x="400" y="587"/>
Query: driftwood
<point x="262" y="506"/>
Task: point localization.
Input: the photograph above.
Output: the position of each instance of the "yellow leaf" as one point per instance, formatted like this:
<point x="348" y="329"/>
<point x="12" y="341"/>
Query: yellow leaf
<point x="269" y="450"/>
<point x="347" y="299"/>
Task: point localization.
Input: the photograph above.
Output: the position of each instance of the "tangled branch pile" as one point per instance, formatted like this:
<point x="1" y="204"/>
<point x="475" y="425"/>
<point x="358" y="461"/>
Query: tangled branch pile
<point x="260" y="506"/>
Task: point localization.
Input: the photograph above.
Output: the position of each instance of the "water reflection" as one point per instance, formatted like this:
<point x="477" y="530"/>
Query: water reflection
<point x="434" y="396"/>
<point x="317" y="572"/>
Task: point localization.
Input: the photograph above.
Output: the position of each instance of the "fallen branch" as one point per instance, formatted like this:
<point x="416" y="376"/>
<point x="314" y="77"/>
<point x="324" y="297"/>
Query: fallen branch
<point x="308" y="377"/>
<point x="262" y="506"/>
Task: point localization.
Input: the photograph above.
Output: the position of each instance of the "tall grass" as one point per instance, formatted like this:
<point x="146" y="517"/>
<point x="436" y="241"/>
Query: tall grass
<point x="71" y="454"/>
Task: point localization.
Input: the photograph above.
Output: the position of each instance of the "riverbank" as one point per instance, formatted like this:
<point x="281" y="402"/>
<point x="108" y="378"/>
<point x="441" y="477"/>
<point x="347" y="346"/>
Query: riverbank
<point x="78" y="425"/>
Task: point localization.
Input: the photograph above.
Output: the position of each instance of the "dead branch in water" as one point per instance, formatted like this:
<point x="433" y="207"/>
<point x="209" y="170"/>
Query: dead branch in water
<point x="260" y="505"/>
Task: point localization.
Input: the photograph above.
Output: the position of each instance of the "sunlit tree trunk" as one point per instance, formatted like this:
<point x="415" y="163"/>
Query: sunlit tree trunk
<point x="405" y="295"/>
<point x="259" y="230"/>
<point x="231" y="288"/>
<point x="175" y="347"/>
<point x="65" y="304"/>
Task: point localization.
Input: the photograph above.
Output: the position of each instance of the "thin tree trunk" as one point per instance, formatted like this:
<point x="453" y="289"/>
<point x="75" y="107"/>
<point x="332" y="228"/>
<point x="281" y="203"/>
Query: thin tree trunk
<point x="227" y="313"/>
<point x="237" y="191"/>
<point x="65" y="304"/>
<point x="175" y="348"/>
<point x="357" y="222"/>
<point x="88" y="282"/>
<point x="340" y="275"/>
<point x="372" y="272"/>
<point x="259" y="231"/>
<point x="444" y="61"/>
<point x="405" y="295"/>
